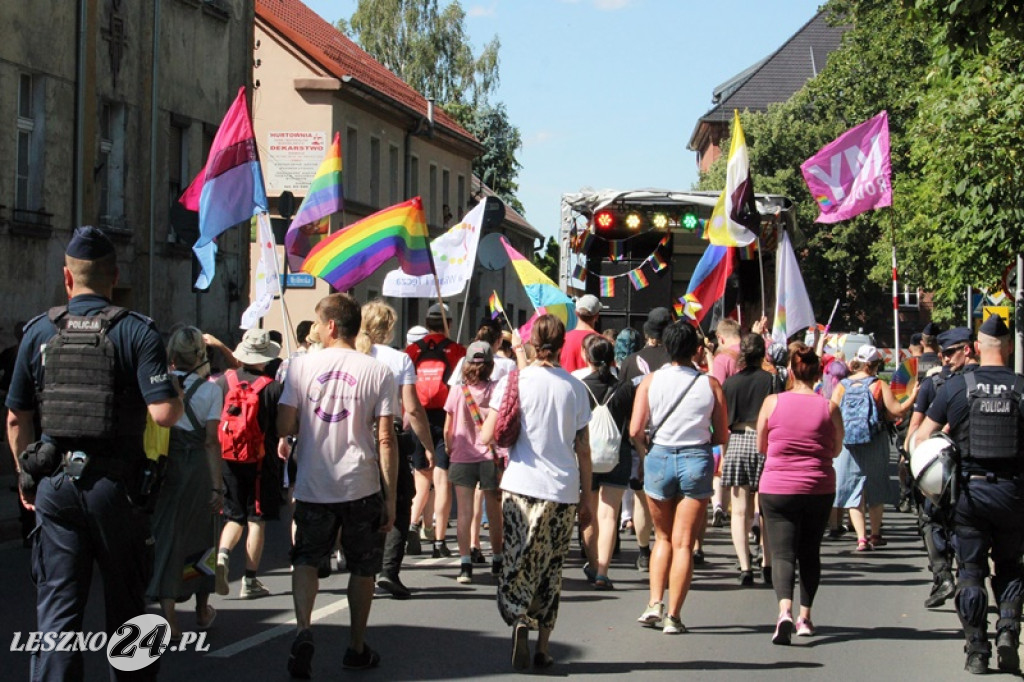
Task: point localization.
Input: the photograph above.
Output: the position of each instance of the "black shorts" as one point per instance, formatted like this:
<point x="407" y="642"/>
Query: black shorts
<point x="240" y="498"/>
<point x="419" y="455"/>
<point x="316" y="527"/>
<point x="469" y="474"/>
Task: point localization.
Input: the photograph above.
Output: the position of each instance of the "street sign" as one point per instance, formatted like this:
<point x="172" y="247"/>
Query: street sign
<point x="1002" y="311"/>
<point x="298" y="280"/>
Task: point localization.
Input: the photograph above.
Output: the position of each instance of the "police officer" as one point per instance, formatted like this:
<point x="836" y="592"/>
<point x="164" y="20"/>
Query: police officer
<point x="84" y="495"/>
<point x="984" y="413"/>
<point x="934" y="523"/>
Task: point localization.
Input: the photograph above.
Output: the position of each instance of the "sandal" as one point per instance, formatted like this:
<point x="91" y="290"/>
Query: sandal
<point x="602" y="582"/>
<point x="877" y="541"/>
<point x="863" y="545"/>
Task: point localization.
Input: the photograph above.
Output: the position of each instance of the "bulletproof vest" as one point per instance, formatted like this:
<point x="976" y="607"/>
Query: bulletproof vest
<point x="80" y="395"/>
<point x="993" y="428"/>
<point x="926" y="363"/>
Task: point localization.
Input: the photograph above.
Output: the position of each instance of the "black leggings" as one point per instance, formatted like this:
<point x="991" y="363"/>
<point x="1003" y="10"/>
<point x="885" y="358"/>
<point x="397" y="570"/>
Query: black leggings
<point x="795" y="526"/>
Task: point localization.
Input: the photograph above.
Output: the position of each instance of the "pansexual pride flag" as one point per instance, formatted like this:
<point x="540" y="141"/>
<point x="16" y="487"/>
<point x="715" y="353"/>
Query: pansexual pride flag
<point x="323" y="198"/>
<point x="542" y="292"/>
<point x="348" y="257"/>
<point x="229" y="190"/>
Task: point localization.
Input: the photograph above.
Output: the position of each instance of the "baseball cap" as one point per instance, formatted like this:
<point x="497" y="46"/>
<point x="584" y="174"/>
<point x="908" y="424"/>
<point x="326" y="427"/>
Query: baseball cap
<point x="479" y="353"/>
<point x="435" y="311"/>
<point x="657" y="320"/>
<point x="588" y="304"/>
<point x="415" y="334"/>
<point x="867" y="353"/>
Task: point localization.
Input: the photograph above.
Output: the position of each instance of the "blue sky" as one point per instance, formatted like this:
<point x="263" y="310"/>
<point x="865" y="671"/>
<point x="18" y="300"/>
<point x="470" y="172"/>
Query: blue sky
<point x="606" y="93"/>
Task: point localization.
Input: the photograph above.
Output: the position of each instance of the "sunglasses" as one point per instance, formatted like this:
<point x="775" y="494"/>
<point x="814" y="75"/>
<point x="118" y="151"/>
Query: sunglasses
<point x="948" y="352"/>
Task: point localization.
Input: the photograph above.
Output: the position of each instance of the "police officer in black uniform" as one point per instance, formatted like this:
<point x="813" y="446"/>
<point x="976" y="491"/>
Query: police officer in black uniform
<point x="934" y="522"/>
<point x="984" y="412"/>
<point x="88" y="487"/>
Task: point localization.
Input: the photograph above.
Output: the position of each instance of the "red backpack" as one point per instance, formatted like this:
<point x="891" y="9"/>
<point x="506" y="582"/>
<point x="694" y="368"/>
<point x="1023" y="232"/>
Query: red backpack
<point x="432" y="373"/>
<point x="241" y="438"/>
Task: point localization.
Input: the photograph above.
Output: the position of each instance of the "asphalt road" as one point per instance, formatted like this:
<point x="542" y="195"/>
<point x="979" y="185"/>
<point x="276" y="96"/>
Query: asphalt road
<point x="869" y="614"/>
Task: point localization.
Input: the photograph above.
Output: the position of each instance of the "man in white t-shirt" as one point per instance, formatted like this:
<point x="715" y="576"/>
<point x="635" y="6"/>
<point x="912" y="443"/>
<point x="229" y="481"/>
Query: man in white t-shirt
<point x="332" y="400"/>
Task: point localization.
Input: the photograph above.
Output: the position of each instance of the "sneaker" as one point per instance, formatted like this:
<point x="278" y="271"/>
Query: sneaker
<point x="652" y="615"/>
<point x="413" y="546"/>
<point x="360" y="660"/>
<point x="718" y="518"/>
<point x="1007" y="657"/>
<point x="746" y="578"/>
<point x="441" y="550"/>
<point x="477" y="555"/>
<point x="590" y="573"/>
<point x="804" y="627"/>
<point x="496" y="566"/>
<point x="643" y="561"/>
<point x="783" y="630"/>
<point x="698" y="557"/>
<point x="300" y="661"/>
<point x="221" y="575"/>
<point x="521" y="645"/>
<point x="252" y="588"/>
<point x="672" y="626"/>
<point x="942" y="589"/>
<point x="393" y="586"/>
<point x="465" y="574"/>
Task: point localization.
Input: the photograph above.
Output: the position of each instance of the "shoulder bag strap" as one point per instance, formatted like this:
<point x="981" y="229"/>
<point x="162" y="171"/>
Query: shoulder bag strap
<point x="474" y="412"/>
<point x="188" y="403"/>
<point x="672" y="409"/>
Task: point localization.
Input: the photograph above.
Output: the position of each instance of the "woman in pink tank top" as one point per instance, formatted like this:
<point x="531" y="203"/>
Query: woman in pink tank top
<point x="801" y="433"/>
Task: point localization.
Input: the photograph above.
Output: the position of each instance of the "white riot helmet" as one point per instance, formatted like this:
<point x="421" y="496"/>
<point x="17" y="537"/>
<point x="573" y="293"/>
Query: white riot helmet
<point x="933" y="465"/>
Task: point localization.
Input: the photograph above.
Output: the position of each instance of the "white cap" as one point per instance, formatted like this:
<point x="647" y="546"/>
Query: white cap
<point x="415" y="334"/>
<point x="867" y="353"/>
<point x="588" y="304"/>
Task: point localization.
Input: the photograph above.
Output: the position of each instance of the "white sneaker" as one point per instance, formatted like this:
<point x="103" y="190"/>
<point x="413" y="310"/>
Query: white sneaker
<point x="221" y="575"/>
<point x="652" y="615"/>
<point x="252" y="588"/>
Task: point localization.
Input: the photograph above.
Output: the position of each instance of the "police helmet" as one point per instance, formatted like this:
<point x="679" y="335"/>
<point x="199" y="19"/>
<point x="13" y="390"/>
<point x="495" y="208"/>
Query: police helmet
<point x="933" y="465"/>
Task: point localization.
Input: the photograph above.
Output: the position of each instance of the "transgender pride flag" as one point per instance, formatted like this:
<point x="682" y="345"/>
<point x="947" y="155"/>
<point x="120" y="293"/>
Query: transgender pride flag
<point x="229" y="190"/>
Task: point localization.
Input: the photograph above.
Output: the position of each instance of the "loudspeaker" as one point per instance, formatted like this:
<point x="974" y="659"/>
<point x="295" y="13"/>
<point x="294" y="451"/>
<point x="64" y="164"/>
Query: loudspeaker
<point x="629" y="306"/>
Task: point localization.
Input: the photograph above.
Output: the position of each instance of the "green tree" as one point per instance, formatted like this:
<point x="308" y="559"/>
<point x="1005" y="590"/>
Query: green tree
<point x="547" y="258"/>
<point x="972" y="24"/>
<point x="427" y="47"/>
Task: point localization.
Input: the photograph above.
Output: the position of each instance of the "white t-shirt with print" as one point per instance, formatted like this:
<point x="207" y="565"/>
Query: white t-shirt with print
<point x="553" y="407"/>
<point x="338" y="394"/>
<point x="400" y="365"/>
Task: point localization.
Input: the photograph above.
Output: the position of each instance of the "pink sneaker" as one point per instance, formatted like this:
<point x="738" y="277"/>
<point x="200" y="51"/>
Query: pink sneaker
<point x="804" y="627"/>
<point x="783" y="630"/>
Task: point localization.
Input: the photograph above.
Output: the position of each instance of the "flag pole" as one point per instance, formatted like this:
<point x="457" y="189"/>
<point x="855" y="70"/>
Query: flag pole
<point x="895" y="290"/>
<point x="760" y="263"/>
<point x="465" y="306"/>
<point x="503" y="313"/>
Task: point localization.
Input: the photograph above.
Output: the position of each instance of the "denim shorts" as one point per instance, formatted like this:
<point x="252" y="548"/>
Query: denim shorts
<point x="675" y="472"/>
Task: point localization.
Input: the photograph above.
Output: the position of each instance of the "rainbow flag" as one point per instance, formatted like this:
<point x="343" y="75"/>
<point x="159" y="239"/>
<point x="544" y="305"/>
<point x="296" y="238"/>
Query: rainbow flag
<point x="658" y="262"/>
<point x="607" y="287"/>
<point x="543" y="293"/>
<point x="615" y="250"/>
<point x="494" y="303"/>
<point x="323" y="198"/>
<point x="348" y="257"/>
<point x="903" y="379"/>
<point x="638" y="279"/>
<point x="579" y="272"/>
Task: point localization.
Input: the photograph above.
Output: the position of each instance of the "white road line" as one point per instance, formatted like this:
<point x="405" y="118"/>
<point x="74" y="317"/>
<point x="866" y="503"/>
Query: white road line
<point x="277" y="631"/>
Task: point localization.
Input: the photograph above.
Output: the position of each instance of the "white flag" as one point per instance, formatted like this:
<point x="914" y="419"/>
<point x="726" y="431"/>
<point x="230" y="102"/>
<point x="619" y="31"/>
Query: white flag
<point x="268" y="281"/>
<point x="454" y="256"/>
<point x="793" y="310"/>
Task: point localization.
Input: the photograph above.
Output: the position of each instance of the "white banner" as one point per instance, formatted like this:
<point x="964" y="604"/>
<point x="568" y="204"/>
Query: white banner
<point x="268" y="281"/>
<point x="454" y="256"/>
<point x="793" y="310"/>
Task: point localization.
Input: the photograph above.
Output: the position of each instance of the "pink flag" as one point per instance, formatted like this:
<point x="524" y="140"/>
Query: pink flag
<point x="852" y="174"/>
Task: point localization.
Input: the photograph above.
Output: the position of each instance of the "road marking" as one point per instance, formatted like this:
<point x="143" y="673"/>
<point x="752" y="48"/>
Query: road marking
<point x="277" y="631"/>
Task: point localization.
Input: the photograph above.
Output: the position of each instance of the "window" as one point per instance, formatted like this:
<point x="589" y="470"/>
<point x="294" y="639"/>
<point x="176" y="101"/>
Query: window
<point x="446" y="182"/>
<point x="910" y="298"/>
<point x="374" y="171"/>
<point x="414" y="177"/>
<point x="28" y="165"/>
<point x="110" y="165"/>
<point x="178" y="176"/>
<point x="432" y="197"/>
<point x="462" y="195"/>
<point x="350" y="156"/>
<point x="393" y="169"/>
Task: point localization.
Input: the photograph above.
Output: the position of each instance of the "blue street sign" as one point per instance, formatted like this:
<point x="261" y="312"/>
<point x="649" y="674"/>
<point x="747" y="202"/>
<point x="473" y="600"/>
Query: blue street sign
<point x="298" y="280"/>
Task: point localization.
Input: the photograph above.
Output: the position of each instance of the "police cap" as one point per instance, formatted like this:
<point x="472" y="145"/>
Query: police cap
<point x="931" y="329"/>
<point x="89" y="243"/>
<point x="954" y="336"/>
<point x="994" y="326"/>
<point x="915" y="339"/>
